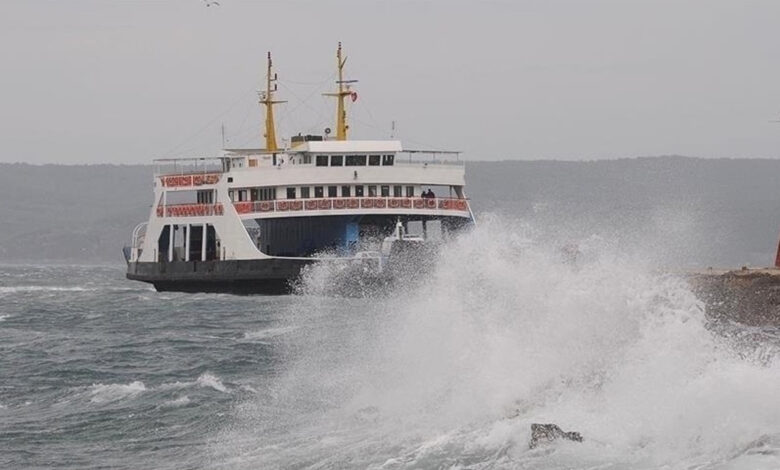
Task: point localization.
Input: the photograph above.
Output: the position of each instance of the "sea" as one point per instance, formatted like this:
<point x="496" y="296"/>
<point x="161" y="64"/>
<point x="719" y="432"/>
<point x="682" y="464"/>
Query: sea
<point x="447" y="371"/>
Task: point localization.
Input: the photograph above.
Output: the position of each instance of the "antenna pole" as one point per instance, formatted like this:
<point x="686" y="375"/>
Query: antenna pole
<point x="223" y="135"/>
<point x="267" y="98"/>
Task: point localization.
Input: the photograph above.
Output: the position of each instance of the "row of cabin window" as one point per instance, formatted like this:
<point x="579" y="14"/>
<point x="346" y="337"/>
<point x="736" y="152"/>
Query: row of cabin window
<point x="354" y="160"/>
<point x="305" y="192"/>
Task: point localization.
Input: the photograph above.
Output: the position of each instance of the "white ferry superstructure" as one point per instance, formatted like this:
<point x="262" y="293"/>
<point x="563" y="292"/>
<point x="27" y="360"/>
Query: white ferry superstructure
<point x="248" y="220"/>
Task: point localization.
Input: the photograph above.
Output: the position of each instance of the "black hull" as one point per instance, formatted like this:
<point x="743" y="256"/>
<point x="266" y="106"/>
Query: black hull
<point x="244" y="277"/>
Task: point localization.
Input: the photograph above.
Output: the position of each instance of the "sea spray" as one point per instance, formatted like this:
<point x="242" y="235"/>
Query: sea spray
<point x="452" y="369"/>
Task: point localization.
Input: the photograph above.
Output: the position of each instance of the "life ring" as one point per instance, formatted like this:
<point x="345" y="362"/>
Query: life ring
<point x="265" y="206"/>
<point x="197" y="180"/>
<point x="296" y="205"/>
<point x="282" y="205"/>
<point x="339" y="203"/>
<point x="379" y="203"/>
<point x="394" y="203"/>
<point x="323" y="204"/>
<point x="366" y="203"/>
<point x="419" y="203"/>
<point x="159" y="211"/>
<point x="353" y="203"/>
<point x="460" y="204"/>
<point x="218" y="209"/>
<point x="406" y="203"/>
<point x="311" y="205"/>
<point x="430" y="203"/>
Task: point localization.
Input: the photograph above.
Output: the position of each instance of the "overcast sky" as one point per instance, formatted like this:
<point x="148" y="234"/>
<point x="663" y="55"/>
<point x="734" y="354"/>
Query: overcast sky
<point x="127" y="81"/>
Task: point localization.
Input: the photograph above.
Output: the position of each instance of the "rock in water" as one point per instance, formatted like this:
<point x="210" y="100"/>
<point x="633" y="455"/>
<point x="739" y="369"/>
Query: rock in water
<point x="544" y="433"/>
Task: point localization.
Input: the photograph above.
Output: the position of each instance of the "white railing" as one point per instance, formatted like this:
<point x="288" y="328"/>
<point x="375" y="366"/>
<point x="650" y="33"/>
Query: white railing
<point x="137" y="241"/>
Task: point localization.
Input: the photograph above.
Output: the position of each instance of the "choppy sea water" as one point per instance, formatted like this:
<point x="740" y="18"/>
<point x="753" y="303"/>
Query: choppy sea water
<point x="448" y="372"/>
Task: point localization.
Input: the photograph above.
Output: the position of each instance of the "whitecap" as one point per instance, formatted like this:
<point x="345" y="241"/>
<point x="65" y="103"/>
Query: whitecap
<point x="105" y="393"/>
<point x="177" y="402"/>
<point x="17" y="289"/>
<point x="211" y="381"/>
<point x="268" y="333"/>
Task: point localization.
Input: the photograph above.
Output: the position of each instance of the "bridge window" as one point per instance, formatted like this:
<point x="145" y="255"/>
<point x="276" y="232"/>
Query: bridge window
<point x="306" y="159"/>
<point x="359" y="191"/>
<point x="410" y="191"/>
<point x="387" y="160"/>
<point x="385" y="191"/>
<point x="333" y="191"/>
<point x="205" y="197"/>
<point x="291" y="193"/>
<point x="322" y="160"/>
<point x="398" y="191"/>
<point x="337" y="160"/>
<point x="318" y="191"/>
<point x="371" y="191"/>
<point x="264" y="194"/>
<point x="373" y="160"/>
<point x="356" y="160"/>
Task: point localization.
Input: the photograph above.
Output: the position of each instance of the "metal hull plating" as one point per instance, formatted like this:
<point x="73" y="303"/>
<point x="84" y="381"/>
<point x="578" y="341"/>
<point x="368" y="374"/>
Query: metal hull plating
<point x="262" y="276"/>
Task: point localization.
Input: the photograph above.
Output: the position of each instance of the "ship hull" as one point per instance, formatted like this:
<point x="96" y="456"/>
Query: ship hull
<point x="263" y="276"/>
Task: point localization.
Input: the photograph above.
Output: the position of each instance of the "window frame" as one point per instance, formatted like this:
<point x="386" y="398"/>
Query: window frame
<point x="355" y="160"/>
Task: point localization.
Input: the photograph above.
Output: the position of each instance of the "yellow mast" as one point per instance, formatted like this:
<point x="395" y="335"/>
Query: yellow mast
<point x="267" y="98"/>
<point x="343" y="92"/>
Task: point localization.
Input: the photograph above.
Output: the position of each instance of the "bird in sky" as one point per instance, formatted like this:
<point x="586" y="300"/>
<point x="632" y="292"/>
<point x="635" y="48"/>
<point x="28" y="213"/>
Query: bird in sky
<point x="210" y="2"/>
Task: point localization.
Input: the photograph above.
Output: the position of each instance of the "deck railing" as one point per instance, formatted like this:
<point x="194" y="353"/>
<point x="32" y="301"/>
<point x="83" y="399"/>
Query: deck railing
<point x="319" y="204"/>
<point x="189" y="210"/>
<point x="351" y="203"/>
<point x="197" y="179"/>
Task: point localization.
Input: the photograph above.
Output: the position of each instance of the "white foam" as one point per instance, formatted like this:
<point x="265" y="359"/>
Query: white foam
<point x="15" y="289"/>
<point x="501" y="335"/>
<point x="211" y="381"/>
<point x="267" y="333"/>
<point x="177" y="402"/>
<point x="111" y="392"/>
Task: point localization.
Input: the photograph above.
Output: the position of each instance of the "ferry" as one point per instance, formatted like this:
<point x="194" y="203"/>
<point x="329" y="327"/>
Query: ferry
<point x="250" y="220"/>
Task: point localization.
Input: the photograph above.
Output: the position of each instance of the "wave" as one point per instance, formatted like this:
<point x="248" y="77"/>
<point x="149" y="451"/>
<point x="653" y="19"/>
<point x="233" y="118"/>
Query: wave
<point x="451" y="371"/>
<point x="205" y="380"/>
<point x="177" y="402"/>
<point x="15" y="289"/>
<point x="210" y="381"/>
<point x="268" y="333"/>
<point x="112" y="392"/>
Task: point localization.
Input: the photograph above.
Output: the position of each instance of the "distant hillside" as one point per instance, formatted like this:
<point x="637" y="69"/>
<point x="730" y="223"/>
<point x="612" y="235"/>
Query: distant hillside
<point x="681" y="210"/>
<point x="71" y="213"/>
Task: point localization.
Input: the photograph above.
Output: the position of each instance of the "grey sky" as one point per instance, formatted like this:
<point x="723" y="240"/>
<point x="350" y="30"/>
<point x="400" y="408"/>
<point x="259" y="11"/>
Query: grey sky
<point x="126" y="81"/>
